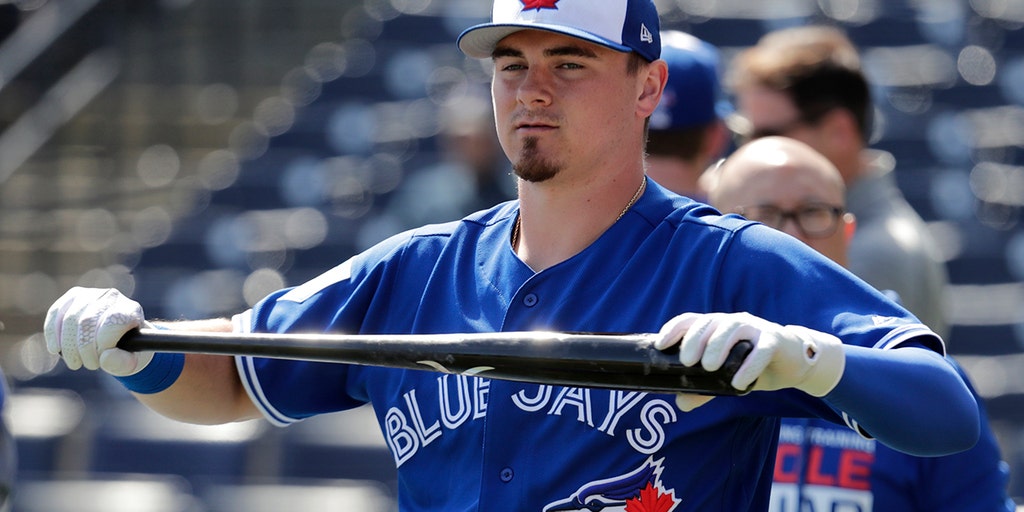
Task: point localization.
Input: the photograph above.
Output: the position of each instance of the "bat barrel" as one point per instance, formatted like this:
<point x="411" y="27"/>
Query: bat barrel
<point x="621" y="361"/>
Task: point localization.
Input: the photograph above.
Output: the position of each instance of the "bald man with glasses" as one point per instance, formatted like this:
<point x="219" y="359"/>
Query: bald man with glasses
<point x="788" y="186"/>
<point x="819" y="465"/>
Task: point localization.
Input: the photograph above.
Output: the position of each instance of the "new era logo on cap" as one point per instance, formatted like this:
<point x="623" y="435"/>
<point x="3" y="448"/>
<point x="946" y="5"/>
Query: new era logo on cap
<point x="645" y="35"/>
<point x="623" y="25"/>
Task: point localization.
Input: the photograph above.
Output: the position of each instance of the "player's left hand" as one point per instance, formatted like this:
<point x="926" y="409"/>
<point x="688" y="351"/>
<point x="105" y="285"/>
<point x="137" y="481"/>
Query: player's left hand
<point x="783" y="356"/>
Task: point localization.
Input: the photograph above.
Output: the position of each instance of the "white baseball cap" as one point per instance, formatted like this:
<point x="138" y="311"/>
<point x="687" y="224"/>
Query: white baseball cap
<point x="623" y="25"/>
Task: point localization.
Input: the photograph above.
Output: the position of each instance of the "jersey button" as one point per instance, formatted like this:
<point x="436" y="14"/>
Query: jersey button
<point x="530" y="300"/>
<point x="506" y="475"/>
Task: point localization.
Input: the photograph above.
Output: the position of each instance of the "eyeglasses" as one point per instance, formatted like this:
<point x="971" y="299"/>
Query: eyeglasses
<point x="814" y="220"/>
<point x="773" y="131"/>
<point x="745" y="131"/>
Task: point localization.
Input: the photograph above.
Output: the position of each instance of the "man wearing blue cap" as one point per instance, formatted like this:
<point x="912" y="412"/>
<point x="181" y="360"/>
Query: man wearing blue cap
<point x="687" y="133"/>
<point x="590" y="245"/>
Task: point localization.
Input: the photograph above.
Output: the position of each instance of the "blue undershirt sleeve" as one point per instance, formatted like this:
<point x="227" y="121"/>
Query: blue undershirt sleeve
<point x="909" y="398"/>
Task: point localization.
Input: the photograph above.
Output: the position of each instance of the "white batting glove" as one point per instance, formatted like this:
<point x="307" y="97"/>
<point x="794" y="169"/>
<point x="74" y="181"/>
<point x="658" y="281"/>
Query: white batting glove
<point x="84" y="326"/>
<point x="783" y="356"/>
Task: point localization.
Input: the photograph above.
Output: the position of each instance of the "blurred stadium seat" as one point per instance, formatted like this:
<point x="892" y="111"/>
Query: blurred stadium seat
<point x="129" y="438"/>
<point x="341" y="445"/>
<point x="49" y="428"/>
<point x="106" y="493"/>
<point x="299" y="495"/>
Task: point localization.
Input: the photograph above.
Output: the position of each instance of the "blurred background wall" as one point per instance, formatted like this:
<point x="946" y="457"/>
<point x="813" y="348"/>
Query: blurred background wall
<point x="197" y="154"/>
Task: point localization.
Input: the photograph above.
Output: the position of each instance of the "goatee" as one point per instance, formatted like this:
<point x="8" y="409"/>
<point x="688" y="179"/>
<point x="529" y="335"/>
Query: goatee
<point x="531" y="167"/>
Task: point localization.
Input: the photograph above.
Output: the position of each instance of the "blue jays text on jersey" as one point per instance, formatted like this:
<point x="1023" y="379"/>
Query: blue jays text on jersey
<point x="419" y="419"/>
<point x="497" y="445"/>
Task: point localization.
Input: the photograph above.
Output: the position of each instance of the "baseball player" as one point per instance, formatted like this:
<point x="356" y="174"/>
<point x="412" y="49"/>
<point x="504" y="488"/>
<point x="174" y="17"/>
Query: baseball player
<point x="589" y="245"/>
<point x="822" y="466"/>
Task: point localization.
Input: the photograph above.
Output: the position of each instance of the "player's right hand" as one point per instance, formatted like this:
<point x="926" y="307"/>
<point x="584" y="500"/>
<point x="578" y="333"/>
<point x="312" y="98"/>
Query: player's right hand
<point x="783" y="357"/>
<point x="84" y="326"/>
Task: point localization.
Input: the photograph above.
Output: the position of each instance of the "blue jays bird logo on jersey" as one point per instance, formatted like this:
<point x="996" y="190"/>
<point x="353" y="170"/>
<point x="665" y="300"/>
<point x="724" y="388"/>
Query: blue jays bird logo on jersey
<point x="539" y="4"/>
<point x="639" y="490"/>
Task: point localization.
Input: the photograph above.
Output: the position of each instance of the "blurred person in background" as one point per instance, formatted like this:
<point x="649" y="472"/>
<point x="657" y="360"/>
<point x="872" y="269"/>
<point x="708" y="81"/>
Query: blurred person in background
<point x="687" y="132"/>
<point x="807" y="83"/>
<point x="8" y="450"/>
<point x="472" y="174"/>
<point x="822" y="466"/>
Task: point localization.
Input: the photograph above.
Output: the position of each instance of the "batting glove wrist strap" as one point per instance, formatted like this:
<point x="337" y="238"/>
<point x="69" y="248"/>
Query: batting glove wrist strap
<point x="823" y="357"/>
<point x="161" y="372"/>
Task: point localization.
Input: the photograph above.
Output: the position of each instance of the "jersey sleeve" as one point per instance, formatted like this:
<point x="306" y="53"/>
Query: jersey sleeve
<point x="974" y="480"/>
<point x="776" y="277"/>
<point x="766" y="272"/>
<point x="337" y="301"/>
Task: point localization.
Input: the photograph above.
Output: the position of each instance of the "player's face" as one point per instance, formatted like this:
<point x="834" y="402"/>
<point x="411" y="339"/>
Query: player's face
<point x="560" y="103"/>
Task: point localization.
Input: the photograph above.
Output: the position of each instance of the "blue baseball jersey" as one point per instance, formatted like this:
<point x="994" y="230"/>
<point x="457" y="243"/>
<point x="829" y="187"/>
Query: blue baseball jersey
<point x="467" y="443"/>
<point x="824" y="467"/>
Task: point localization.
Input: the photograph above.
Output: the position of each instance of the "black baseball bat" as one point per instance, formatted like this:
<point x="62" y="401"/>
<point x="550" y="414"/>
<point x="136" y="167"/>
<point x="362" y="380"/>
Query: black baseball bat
<point x="617" y="361"/>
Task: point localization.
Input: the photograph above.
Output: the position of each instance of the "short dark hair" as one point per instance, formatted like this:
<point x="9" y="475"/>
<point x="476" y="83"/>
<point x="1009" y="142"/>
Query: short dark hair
<point x="635" y="63"/>
<point x="817" y="67"/>
<point x="684" y="143"/>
